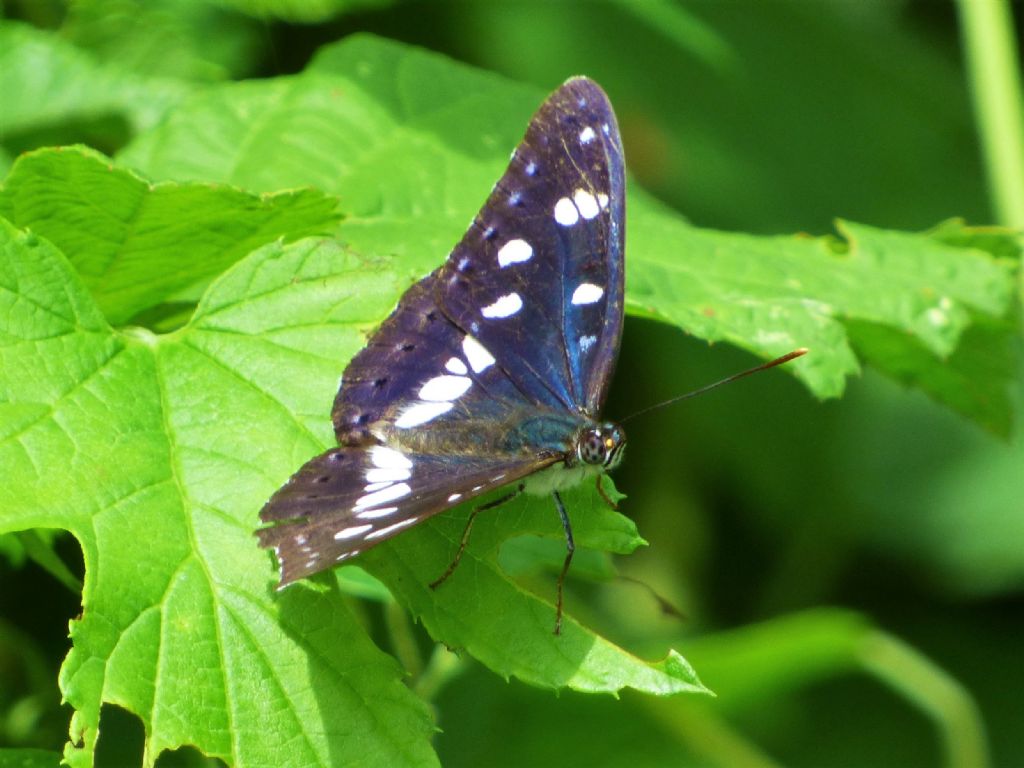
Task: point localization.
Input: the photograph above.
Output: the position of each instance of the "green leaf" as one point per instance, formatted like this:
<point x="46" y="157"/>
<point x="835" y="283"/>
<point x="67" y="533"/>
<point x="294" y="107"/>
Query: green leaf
<point x="903" y="300"/>
<point x="408" y="141"/>
<point x="417" y="141"/>
<point x="50" y="85"/>
<point x="137" y="245"/>
<point x="303" y="11"/>
<point x="509" y="629"/>
<point x="167" y="445"/>
<point x="176" y="440"/>
<point x="28" y="758"/>
<point x="182" y="39"/>
<point x="155" y="452"/>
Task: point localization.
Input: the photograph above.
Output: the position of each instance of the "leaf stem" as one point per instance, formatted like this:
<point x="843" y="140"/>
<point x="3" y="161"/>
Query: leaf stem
<point x="698" y="728"/>
<point x="992" y="62"/>
<point x="443" y="667"/>
<point x="934" y="692"/>
<point x="403" y="641"/>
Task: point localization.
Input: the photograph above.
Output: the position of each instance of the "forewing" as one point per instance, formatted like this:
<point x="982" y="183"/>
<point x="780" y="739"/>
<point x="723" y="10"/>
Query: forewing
<point x="349" y="499"/>
<point x="417" y="370"/>
<point x="538" y="278"/>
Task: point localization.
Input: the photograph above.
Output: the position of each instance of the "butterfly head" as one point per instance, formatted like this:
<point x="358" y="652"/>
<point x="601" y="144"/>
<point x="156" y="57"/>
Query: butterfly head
<point x="601" y="445"/>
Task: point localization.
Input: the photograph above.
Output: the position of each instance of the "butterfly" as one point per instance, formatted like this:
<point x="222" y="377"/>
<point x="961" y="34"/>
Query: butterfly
<point x="493" y="369"/>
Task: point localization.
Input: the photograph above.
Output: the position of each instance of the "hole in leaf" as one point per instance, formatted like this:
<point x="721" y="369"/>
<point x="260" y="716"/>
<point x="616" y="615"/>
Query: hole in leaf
<point x="41" y="570"/>
<point x="187" y="757"/>
<point x="122" y="738"/>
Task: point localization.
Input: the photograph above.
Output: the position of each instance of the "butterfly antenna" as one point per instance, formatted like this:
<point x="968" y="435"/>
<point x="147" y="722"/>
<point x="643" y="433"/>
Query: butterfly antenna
<point x="763" y="367"/>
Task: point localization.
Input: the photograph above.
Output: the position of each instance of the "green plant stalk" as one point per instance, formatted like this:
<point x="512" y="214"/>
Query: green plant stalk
<point x="403" y="642"/>
<point x="443" y="667"/>
<point x="786" y="653"/>
<point x="992" y="63"/>
<point x="933" y="691"/>
<point x="685" y="29"/>
<point x="698" y="728"/>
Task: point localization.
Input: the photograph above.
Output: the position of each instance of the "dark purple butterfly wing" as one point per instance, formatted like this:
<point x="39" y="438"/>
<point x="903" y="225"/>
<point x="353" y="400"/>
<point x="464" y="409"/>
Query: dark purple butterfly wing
<point x="485" y="370"/>
<point x="349" y="499"/>
<point x="539" y="274"/>
<point x="419" y="369"/>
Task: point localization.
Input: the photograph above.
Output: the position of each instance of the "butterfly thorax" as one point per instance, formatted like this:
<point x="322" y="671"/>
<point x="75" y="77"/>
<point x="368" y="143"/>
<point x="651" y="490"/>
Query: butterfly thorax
<point x="595" y="448"/>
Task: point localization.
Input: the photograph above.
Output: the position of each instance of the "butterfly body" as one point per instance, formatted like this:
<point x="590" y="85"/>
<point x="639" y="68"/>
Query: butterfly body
<point x="593" y="450"/>
<point x="492" y="370"/>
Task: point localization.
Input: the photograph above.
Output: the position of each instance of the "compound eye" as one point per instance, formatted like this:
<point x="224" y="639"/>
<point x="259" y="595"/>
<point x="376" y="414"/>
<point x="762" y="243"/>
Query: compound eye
<point x="592" y="448"/>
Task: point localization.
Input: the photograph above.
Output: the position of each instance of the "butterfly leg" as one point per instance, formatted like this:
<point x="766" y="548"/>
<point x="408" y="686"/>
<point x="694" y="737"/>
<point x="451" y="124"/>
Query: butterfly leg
<point x="605" y="496"/>
<point x="570" y="548"/>
<point x="465" y="534"/>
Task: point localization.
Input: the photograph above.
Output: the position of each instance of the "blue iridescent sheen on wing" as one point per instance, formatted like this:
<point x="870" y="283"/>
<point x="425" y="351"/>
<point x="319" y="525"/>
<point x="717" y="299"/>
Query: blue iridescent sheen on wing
<point x="550" y="241"/>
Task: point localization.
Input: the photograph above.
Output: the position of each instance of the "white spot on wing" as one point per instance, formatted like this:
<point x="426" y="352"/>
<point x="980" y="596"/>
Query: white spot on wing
<point x="382" y="496"/>
<point x="505" y="306"/>
<point x="586" y="342"/>
<point x="351" y="532"/>
<point x="387" y="474"/>
<point x="586" y="204"/>
<point x="477" y="355"/>
<point x="376" y="486"/>
<point x="566" y="213"/>
<point x="389" y="458"/>
<point x="602" y="200"/>
<point x="587" y="135"/>
<point x="514" y="252"/>
<point x="455" y="497"/>
<point x="587" y="293"/>
<point x="456" y="366"/>
<point x="390" y="528"/>
<point x="421" y="413"/>
<point x="445" y="388"/>
<point x="373" y="514"/>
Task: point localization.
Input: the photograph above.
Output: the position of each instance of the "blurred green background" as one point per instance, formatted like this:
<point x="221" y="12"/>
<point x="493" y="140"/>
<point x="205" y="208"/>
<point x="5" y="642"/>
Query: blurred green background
<point x="808" y="544"/>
